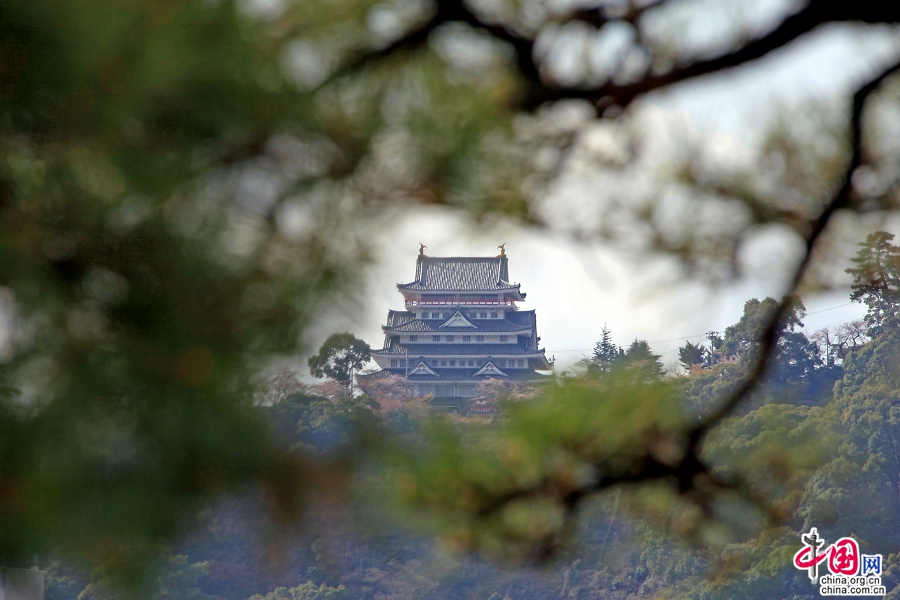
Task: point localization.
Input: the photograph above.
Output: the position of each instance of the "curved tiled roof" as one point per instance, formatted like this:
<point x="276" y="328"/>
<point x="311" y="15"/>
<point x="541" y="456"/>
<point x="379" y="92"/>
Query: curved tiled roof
<point x="469" y="374"/>
<point x="481" y="325"/>
<point x="415" y="326"/>
<point x="474" y="350"/>
<point x="461" y="274"/>
<point x="525" y="318"/>
<point x="397" y="318"/>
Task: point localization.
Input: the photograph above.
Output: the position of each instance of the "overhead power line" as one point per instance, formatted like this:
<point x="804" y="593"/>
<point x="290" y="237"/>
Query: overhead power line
<point x="832" y="308"/>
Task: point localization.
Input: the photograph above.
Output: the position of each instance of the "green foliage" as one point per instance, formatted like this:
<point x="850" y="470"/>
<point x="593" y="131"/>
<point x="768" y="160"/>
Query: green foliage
<point x="797" y="371"/>
<point x="504" y="491"/>
<point x="145" y="294"/>
<point x="691" y="354"/>
<point x="707" y="356"/>
<point x="501" y="486"/>
<point x="744" y="336"/>
<point x="322" y="423"/>
<point x="605" y="351"/>
<point x="607" y="356"/>
<point x="760" y="568"/>
<point x="777" y="447"/>
<point x="640" y="356"/>
<point x="307" y="591"/>
<point x="876" y="279"/>
<point x="707" y="388"/>
<point x="176" y="580"/>
<point x="868" y="398"/>
<point x="339" y="357"/>
<point x="177" y="201"/>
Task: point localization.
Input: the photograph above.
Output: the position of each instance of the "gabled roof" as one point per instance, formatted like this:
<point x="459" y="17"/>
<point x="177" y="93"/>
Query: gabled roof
<point x="422" y="369"/>
<point x="461" y="274"/>
<point x="458" y="320"/>
<point x="490" y="369"/>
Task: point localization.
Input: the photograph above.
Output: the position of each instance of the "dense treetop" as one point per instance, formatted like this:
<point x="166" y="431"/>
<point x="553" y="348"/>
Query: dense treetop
<point x="801" y="454"/>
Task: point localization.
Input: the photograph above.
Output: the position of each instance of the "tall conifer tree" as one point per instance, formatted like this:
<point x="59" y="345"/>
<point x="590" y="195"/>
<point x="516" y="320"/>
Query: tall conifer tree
<point x="605" y="351"/>
<point x="876" y="279"/>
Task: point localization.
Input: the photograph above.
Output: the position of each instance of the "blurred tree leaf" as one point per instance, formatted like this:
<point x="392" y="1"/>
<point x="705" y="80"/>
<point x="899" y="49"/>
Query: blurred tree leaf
<point x="184" y="186"/>
<point x="510" y="491"/>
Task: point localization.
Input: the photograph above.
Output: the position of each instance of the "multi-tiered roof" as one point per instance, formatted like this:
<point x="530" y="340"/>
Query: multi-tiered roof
<point x="461" y="325"/>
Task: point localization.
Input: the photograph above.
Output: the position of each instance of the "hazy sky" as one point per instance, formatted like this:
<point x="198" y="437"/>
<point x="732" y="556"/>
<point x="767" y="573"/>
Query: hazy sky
<point x="576" y="288"/>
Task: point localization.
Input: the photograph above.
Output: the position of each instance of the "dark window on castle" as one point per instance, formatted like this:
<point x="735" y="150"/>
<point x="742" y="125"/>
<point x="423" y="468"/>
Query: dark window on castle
<point x="449" y="338"/>
<point x="467" y="338"/>
<point x="444" y="315"/>
<point x="493" y="315"/>
<point x="471" y="363"/>
<point x="443" y="363"/>
<point x="393" y="362"/>
<point x="452" y="363"/>
<point x="484" y="315"/>
<point x="521" y="363"/>
<point x="502" y="362"/>
<point x="413" y="338"/>
<point x="473" y="315"/>
<point x="503" y="338"/>
<point x="434" y="363"/>
<point x="479" y="338"/>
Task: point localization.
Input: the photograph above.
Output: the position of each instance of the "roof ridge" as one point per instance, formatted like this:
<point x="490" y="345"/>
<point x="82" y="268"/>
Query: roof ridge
<point x="462" y="274"/>
<point x="427" y="257"/>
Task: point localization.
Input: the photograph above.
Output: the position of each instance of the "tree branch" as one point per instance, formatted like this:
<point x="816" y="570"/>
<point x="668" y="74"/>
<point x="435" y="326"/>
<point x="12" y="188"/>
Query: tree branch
<point x="692" y="476"/>
<point x="841" y="199"/>
<point x="448" y="11"/>
<point x="601" y="15"/>
<point x="538" y="92"/>
<point x="622" y="95"/>
<point x="456" y="11"/>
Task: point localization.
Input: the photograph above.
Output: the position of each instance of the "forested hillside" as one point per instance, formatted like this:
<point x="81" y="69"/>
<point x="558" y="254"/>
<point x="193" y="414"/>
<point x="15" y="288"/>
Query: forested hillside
<point x="817" y="446"/>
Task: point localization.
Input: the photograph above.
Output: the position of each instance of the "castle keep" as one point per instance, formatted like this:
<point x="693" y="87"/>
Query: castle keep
<point x="462" y="324"/>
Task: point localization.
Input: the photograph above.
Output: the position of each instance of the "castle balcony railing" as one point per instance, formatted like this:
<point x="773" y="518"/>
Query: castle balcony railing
<point x="460" y="302"/>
